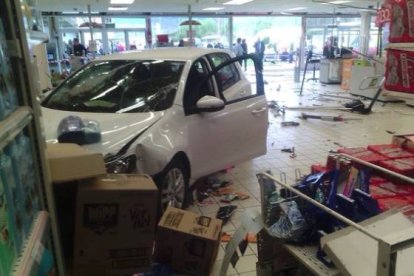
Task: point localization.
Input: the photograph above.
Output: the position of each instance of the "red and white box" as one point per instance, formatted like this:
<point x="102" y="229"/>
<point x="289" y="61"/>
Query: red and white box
<point x="399" y="74"/>
<point x="402" y="20"/>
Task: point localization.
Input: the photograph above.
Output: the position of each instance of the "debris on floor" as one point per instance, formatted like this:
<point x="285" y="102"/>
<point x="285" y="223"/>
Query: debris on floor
<point x="288" y="150"/>
<point x="224" y="213"/>
<point x="339" y="118"/>
<point x="250" y="237"/>
<point x="290" y="123"/>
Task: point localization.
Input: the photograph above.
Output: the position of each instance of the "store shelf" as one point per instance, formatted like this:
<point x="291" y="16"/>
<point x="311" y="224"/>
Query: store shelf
<point x="14" y="124"/>
<point x="307" y="256"/>
<point x="34" y="247"/>
<point x="406" y="46"/>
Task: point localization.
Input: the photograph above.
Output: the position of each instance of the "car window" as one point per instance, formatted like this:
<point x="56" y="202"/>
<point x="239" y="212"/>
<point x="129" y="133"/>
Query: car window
<point x="119" y="86"/>
<point x="228" y="75"/>
<point x="197" y="85"/>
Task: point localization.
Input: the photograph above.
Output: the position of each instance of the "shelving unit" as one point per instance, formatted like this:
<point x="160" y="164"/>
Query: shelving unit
<point x="22" y="127"/>
<point x="388" y="245"/>
<point x="34" y="248"/>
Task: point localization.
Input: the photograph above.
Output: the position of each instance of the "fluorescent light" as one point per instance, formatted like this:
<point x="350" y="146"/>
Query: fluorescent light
<point x="117" y="8"/>
<point x="122" y="2"/>
<point x="297" y="9"/>
<point x="339" y="2"/>
<point x="214" y="9"/>
<point x="237" y="2"/>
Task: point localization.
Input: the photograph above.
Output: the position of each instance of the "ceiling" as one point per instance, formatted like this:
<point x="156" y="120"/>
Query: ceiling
<point x="181" y="6"/>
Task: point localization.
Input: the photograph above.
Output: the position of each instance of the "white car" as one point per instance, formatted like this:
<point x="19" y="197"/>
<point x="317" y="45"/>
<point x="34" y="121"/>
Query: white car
<point x="174" y="113"/>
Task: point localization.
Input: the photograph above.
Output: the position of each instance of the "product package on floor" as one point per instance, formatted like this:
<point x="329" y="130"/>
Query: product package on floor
<point x="188" y="242"/>
<point x="115" y="225"/>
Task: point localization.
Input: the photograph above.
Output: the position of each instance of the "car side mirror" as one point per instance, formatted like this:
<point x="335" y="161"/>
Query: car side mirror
<point x="210" y="104"/>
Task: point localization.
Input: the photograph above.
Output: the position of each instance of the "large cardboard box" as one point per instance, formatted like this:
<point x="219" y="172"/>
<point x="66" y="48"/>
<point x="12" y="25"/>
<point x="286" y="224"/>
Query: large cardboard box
<point x="188" y="242"/>
<point x="69" y="162"/>
<point x="115" y="225"/>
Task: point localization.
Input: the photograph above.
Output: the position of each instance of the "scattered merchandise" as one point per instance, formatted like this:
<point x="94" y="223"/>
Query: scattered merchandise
<point x="228" y="198"/>
<point x="225" y="212"/>
<point x="291" y="123"/>
<point x="187" y="242"/>
<point x="115" y="225"/>
<point x="305" y="116"/>
<point x="288" y="150"/>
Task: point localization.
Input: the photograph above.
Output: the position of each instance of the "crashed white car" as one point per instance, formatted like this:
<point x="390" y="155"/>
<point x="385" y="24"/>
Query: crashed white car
<point x="174" y="113"/>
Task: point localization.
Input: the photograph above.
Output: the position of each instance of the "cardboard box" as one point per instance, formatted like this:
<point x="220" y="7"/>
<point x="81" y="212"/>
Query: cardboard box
<point x="72" y="162"/>
<point x="405" y="141"/>
<point x="115" y="225"/>
<point x="187" y="242"/>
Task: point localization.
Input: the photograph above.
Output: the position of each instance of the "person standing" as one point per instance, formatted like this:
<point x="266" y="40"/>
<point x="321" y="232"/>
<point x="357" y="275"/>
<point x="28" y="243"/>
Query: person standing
<point x="259" y="49"/>
<point x="244" y="47"/>
<point x="238" y="50"/>
<point x="78" y="49"/>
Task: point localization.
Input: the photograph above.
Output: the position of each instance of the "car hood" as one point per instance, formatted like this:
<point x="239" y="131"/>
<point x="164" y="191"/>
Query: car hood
<point x="116" y="129"/>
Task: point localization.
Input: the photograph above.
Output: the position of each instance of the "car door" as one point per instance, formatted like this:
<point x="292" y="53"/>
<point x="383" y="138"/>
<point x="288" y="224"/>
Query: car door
<point x="238" y="132"/>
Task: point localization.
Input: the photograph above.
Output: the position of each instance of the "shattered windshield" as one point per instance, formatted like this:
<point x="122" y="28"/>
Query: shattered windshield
<point x="119" y="86"/>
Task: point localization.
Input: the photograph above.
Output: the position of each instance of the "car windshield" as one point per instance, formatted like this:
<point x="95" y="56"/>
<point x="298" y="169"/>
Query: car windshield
<point x="119" y="86"/>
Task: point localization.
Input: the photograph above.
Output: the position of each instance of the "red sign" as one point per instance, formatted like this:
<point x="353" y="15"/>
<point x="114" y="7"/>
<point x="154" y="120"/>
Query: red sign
<point x="383" y="16"/>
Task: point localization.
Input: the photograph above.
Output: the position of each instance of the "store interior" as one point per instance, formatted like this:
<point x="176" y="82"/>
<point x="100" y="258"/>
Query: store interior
<point x="202" y="137"/>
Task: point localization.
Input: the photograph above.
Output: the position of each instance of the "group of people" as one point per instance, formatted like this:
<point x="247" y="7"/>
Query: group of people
<point x="240" y="48"/>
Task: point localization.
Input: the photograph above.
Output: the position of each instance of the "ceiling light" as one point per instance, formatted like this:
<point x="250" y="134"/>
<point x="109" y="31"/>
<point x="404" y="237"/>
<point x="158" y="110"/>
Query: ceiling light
<point x="339" y="2"/>
<point x="237" y="2"/>
<point x="297" y="9"/>
<point x="213" y="9"/>
<point x="122" y="2"/>
<point x="117" y="8"/>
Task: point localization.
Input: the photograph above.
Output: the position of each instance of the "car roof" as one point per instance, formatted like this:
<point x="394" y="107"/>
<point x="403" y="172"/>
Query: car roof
<point x="169" y="53"/>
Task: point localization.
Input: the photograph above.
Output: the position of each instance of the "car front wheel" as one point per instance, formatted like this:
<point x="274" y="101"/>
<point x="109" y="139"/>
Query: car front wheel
<point x="173" y="186"/>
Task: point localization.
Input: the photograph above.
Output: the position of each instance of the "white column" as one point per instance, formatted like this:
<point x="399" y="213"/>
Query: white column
<point x="364" y="32"/>
<point x="231" y="32"/>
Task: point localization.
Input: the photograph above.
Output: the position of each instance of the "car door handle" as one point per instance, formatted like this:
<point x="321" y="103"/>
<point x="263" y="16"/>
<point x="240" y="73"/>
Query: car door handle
<point x="261" y="110"/>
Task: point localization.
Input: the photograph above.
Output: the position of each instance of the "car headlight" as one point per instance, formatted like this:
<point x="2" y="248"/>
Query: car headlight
<point x="123" y="164"/>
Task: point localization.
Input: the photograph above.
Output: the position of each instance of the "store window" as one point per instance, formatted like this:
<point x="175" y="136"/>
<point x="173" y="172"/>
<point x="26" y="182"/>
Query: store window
<point x="95" y="45"/>
<point x="279" y="34"/>
<point x="116" y="41"/>
<point x="339" y="31"/>
<point x="136" y="40"/>
<point x="212" y="30"/>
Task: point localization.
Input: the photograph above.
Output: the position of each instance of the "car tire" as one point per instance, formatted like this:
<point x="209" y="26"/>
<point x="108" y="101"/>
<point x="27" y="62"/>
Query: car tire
<point x="173" y="185"/>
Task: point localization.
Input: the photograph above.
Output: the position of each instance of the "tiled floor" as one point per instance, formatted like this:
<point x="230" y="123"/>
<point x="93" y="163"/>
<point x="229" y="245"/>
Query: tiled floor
<point x="312" y="141"/>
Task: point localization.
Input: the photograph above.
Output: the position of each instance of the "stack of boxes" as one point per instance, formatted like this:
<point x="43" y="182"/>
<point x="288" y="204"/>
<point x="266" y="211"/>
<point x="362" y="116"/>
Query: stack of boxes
<point x="400" y="55"/>
<point x="108" y="221"/>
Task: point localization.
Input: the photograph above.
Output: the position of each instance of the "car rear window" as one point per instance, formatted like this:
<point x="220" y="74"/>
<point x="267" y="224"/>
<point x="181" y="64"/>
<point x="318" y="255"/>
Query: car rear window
<point x="119" y="86"/>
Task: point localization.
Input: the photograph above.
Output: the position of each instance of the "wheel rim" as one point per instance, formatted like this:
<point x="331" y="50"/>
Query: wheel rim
<point x="173" y="189"/>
